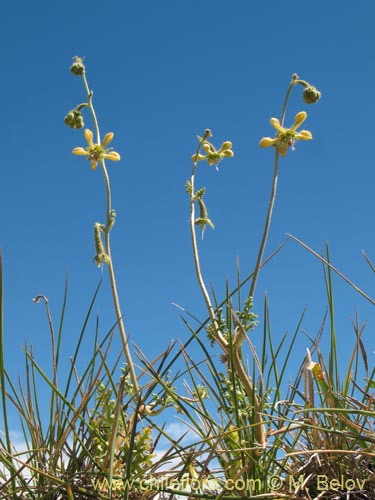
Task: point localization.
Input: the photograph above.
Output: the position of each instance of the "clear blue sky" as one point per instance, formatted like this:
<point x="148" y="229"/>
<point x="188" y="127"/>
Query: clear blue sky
<point x="162" y="72"/>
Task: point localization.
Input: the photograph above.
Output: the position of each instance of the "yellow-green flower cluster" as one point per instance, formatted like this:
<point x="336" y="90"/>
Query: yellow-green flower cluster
<point x="214" y="156"/>
<point x="97" y="152"/>
<point x="287" y="137"/>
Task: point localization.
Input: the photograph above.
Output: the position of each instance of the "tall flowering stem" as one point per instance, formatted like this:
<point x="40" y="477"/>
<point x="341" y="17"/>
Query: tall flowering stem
<point x="193" y="222"/>
<point x="230" y="351"/>
<point x="284" y="139"/>
<point x="97" y="154"/>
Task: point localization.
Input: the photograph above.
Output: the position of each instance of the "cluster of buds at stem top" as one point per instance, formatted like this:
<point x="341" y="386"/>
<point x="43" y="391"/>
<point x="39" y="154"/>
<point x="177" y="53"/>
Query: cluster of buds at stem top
<point x="310" y="93"/>
<point x="287" y="137"/>
<point x="77" y="68"/>
<point x="213" y="156"/>
<point x="74" y="119"/>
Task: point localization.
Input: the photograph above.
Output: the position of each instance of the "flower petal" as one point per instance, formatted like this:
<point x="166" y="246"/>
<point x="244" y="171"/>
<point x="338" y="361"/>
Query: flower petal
<point x="94" y="164"/>
<point x="283" y="149"/>
<point x="299" y="119"/>
<point x="79" y="151"/>
<point x="199" y="157"/>
<point x="208" y="147"/>
<point x="226" y="145"/>
<point x="267" y="141"/>
<point x="304" y="135"/>
<point x="107" y="139"/>
<point x="88" y="136"/>
<point x="276" y="124"/>
<point x="112" y="155"/>
<point x="228" y="153"/>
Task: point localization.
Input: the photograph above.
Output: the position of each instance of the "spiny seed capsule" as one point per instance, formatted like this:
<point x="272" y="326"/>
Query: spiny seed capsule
<point x="202" y="209"/>
<point x="98" y="238"/>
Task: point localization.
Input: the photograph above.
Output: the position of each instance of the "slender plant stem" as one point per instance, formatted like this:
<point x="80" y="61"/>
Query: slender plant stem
<point x="266" y="226"/>
<point x="272" y="198"/>
<point x="111" y="270"/>
<point x="219" y="337"/>
<point x="235" y="349"/>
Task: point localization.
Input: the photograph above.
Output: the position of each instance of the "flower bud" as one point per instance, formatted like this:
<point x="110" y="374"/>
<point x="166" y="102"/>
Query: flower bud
<point x="79" y="123"/>
<point x="311" y="95"/>
<point x="77" y="68"/>
<point x="69" y="119"/>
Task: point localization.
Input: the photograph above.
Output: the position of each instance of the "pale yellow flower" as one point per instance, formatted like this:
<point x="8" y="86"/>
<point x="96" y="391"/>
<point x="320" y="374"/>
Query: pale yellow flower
<point x="214" y="156"/>
<point x="97" y="152"/>
<point x="286" y="137"/>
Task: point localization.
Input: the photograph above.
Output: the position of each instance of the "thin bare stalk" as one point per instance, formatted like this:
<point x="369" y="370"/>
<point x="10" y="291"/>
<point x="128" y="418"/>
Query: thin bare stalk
<point x="272" y="198"/>
<point x="219" y="336"/>
<point x="111" y="270"/>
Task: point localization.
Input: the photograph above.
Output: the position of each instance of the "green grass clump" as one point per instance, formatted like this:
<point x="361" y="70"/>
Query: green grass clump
<point x="251" y="431"/>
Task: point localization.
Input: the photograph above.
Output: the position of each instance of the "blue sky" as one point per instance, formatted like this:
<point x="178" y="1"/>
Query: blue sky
<point x="162" y="72"/>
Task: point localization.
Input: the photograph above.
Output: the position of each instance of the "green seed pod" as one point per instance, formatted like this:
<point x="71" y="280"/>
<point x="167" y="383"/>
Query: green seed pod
<point x="311" y="95"/>
<point x="200" y="193"/>
<point x="100" y="256"/>
<point x="202" y="209"/>
<point x="203" y="219"/>
<point x="98" y="238"/>
<point x="111" y="219"/>
<point x="203" y="223"/>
